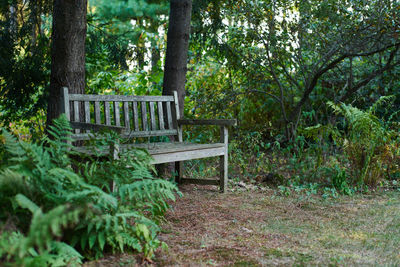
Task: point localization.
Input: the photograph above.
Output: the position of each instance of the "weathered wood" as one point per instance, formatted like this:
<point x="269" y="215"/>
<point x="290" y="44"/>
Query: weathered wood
<point x="65" y="102"/>
<point x="178" y="116"/>
<point x="76" y="111"/>
<point x="97" y="117"/>
<point x="187" y="155"/>
<point x="135" y="116"/>
<point x="96" y="127"/>
<point x="87" y="111"/>
<point x="76" y="114"/>
<point x="116" y="114"/>
<point x="167" y="152"/>
<point x="130" y="134"/>
<point x="179" y="168"/>
<point x="169" y="116"/>
<point x="223" y="160"/>
<point x="126" y="115"/>
<point x="152" y="116"/>
<point x="226" y="122"/>
<point x="147" y="126"/>
<point x="162" y="147"/>
<point x="119" y="98"/>
<point x="107" y="112"/>
<point x="143" y="106"/>
<point x="160" y="115"/>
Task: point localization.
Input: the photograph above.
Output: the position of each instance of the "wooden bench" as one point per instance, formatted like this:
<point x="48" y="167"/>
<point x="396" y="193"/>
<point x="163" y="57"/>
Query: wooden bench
<point x="145" y="116"/>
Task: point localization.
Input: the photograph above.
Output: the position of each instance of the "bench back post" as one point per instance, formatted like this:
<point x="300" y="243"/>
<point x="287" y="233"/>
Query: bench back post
<point x="178" y="116"/>
<point x="64" y="103"/>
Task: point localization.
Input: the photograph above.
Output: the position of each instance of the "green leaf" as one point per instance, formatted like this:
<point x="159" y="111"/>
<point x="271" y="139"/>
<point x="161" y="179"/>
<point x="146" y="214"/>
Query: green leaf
<point x="92" y="239"/>
<point x="102" y="239"/>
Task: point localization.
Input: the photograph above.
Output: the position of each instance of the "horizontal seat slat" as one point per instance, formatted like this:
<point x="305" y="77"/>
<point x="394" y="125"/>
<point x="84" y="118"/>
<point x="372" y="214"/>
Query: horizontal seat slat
<point x="120" y="98"/>
<point x="166" y="152"/>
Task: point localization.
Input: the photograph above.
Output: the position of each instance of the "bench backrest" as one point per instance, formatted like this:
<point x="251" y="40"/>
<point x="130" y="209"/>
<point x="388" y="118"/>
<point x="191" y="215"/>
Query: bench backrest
<point x="143" y="116"/>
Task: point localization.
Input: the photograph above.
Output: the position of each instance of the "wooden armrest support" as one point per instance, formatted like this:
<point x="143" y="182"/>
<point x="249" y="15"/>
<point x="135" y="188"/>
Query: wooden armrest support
<point x="96" y="127"/>
<point x="221" y="122"/>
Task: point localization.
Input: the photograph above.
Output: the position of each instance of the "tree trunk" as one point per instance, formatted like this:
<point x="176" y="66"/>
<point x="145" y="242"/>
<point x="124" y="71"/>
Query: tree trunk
<point x="67" y="52"/>
<point x="140" y="47"/>
<point x="176" y="57"/>
<point x="177" y="49"/>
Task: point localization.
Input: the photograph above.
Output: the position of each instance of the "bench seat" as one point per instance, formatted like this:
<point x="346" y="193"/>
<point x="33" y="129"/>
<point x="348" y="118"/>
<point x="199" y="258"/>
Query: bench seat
<point x="164" y="152"/>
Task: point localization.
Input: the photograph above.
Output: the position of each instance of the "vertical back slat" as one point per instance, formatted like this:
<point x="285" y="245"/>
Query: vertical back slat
<point x="169" y="116"/>
<point x="126" y="115"/>
<point x="116" y="114"/>
<point x="135" y="116"/>
<point x="76" y="114"/>
<point x="65" y="103"/>
<point x="152" y="116"/>
<point x="160" y="115"/>
<point x="87" y="112"/>
<point x="97" y="112"/>
<point x="107" y="112"/>
<point x="144" y="116"/>
<point x="177" y="117"/>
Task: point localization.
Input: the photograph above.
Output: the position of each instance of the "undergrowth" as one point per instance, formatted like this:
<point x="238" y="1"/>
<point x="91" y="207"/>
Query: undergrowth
<point x="58" y="210"/>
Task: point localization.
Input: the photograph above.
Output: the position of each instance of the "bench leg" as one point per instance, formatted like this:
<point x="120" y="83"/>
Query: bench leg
<point x="115" y="155"/>
<point x="223" y="172"/>
<point x="179" y="169"/>
<point x="223" y="161"/>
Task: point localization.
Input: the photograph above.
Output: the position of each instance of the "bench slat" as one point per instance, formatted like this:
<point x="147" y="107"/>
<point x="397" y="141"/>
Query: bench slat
<point x="116" y="114"/>
<point x="131" y="134"/>
<point x="152" y="116"/>
<point x="76" y="114"/>
<point x="87" y="111"/>
<point x="126" y="115"/>
<point x="120" y="98"/>
<point x="160" y="115"/>
<point x="97" y="112"/>
<point x="107" y="112"/>
<point x="135" y="116"/>
<point x="169" y="116"/>
<point x="144" y="116"/>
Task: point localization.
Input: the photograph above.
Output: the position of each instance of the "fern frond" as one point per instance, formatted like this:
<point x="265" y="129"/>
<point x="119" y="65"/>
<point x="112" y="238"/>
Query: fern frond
<point x="383" y="100"/>
<point x="11" y="143"/>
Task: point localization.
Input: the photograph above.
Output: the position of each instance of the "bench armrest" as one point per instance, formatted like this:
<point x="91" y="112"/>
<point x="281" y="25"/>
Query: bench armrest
<point x="96" y="127"/>
<point x="221" y="122"/>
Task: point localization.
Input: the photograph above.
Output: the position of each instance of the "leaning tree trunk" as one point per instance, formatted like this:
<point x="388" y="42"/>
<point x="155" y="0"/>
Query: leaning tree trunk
<point x="67" y="52"/>
<point x="177" y="49"/>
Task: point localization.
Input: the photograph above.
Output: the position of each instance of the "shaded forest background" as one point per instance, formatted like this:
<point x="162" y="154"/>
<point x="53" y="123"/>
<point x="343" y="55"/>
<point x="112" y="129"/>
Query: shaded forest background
<point x="313" y="84"/>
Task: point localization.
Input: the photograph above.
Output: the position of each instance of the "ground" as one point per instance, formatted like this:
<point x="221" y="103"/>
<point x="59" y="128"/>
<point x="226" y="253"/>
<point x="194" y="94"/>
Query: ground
<point x="263" y="228"/>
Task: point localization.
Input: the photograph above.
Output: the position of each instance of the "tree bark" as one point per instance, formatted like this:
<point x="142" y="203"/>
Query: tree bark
<point x="176" y="57"/>
<point x="67" y="52"/>
<point x="177" y="49"/>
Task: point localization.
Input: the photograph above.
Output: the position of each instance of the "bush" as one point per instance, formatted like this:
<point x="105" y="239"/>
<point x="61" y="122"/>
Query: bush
<point x="62" y="216"/>
<point x="368" y="143"/>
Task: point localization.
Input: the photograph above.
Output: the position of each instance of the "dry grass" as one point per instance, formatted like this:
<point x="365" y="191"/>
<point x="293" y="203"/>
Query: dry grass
<point x="262" y="229"/>
<point x="205" y="228"/>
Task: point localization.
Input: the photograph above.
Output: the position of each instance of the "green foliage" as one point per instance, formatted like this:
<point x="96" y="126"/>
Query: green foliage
<point x="62" y="214"/>
<point x="368" y="143"/>
<point x="25" y="58"/>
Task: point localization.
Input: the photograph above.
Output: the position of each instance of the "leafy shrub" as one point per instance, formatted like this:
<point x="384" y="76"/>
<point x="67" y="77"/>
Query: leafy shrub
<point x="62" y="216"/>
<point x="369" y="142"/>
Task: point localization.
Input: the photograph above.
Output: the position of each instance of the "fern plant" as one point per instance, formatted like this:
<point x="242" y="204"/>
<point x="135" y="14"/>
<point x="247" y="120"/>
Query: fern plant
<point x="368" y="141"/>
<point x="64" y="214"/>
